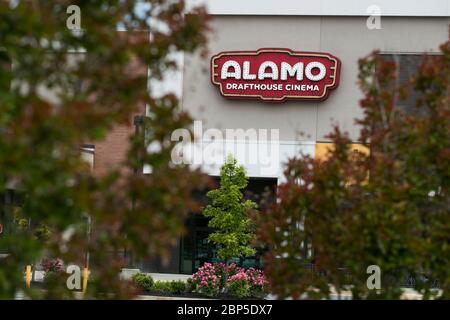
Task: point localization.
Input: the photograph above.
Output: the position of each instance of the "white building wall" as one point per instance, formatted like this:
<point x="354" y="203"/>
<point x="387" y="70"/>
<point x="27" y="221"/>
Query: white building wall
<point x="406" y="8"/>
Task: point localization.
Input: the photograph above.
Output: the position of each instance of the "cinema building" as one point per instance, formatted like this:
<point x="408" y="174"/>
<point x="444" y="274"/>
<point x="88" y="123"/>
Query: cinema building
<point x="286" y="70"/>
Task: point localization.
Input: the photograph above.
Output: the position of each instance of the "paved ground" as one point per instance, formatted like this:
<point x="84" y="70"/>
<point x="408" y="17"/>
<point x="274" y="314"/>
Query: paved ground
<point x="169" y="277"/>
<point x="127" y="273"/>
<point x="409" y="294"/>
<point x="165" y="298"/>
<point x="19" y="296"/>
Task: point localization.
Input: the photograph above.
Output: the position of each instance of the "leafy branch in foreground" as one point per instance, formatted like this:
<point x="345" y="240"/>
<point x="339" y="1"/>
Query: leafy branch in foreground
<point x="387" y="207"/>
<point x="60" y="89"/>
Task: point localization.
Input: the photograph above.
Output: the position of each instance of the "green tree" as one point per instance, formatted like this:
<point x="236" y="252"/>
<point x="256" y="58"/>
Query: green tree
<point x="229" y="213"/>
<point x="61" y="88"/>
<point x="389" y="207"/>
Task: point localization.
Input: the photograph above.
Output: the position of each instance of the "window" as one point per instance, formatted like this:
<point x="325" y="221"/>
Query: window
<point x="407" y="67"/>
<point x="87" y="154"/>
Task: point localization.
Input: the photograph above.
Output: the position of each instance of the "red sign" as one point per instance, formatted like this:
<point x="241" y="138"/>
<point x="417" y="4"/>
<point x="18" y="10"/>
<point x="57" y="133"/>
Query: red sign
<point x="275" y="74"/>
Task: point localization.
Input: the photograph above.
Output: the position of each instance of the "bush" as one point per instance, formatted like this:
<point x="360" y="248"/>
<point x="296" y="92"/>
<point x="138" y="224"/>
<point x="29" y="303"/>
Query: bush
<point x="143" y="281"/>
<point x="190" y="285"/>
<point x="178" y="287"/>
<point x="56" y="286"/>
<point x="232" y="270"/>
<point x="238" y="285"/>
<point x="54" y="271"/>
<point x="210" y="280"/>
<point x="52" y="265"/>
<point x="257" y="283"/>
<point x="207" y="280"/>
<point x="54" y="277"/>
<point x="162" y="286"/>
<point x="146" y="283"/>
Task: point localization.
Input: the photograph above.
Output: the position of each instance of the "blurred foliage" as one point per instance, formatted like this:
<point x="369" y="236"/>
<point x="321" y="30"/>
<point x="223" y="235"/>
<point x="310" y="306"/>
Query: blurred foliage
<point x="336" y="216"/>
<point x="61" y="88"/>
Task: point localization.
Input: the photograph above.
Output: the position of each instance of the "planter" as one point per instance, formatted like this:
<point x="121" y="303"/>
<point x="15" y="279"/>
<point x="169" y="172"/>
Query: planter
<point x="194" y="295"/>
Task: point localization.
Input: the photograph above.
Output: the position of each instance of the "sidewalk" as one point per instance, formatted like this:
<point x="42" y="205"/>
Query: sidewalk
<point x="128" y="273"/>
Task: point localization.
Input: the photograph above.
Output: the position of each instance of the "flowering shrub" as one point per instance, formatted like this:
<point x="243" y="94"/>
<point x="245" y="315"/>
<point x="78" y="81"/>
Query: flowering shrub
<point x="232" y="270"/>
<point x="52" y="265"/>
<point x="54" y="277"/>
<point x="210" y="280"/>
<point x="257" y="282"/>
<point x="207" y="280"/>
<point x="238" y="285"/>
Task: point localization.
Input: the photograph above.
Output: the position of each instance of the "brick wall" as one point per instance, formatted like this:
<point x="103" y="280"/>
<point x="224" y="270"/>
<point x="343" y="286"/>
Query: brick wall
<point x="111" y="151"/>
